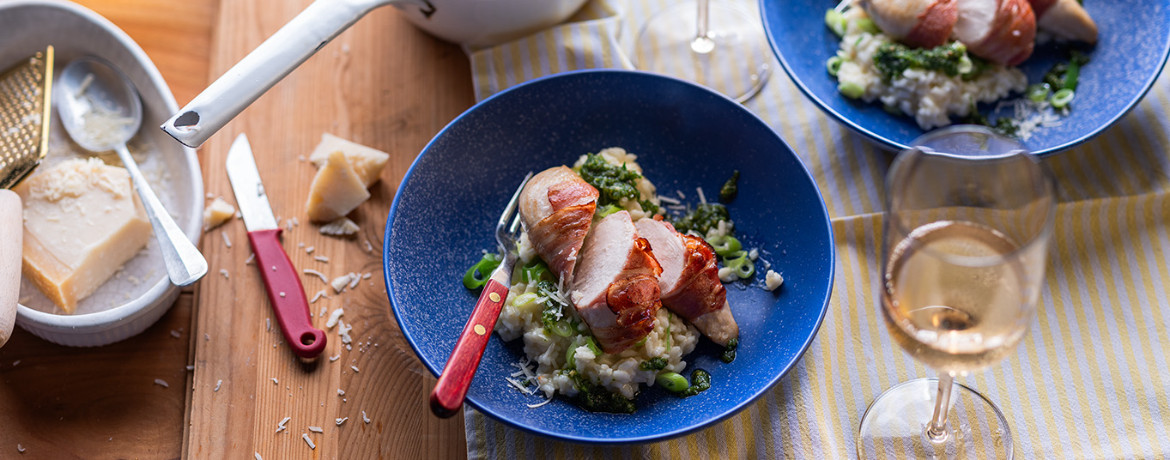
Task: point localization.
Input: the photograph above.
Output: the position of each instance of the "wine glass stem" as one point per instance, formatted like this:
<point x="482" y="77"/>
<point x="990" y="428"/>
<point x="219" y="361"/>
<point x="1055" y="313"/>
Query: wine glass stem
<point x="938" y="423"/>
<point x="702" y="43"/>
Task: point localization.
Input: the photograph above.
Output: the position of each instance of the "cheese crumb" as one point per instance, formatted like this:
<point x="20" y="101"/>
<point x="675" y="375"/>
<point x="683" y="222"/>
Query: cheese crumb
<point x="309" y="271"/>
<point x="281" y="426"/>
<point x="773" y="280"/>
<point x="224" y="272"/>
<point x="258" y="457"/>
<point x="20" y="448"/>
<point x="316" y="429"/>
<point x="340" y="282"/>
<point x="226" y="242"/>
<point x="161" y="383"/>
<point x="365" y="418"/>
<point x="275" y="382"/>
<point x="251" y="257"/>
<point x="175" y="334"/>
<point x="216" y="213"/>
<point x="334" y="318"/>
<point x="321" y="259"/>
<point x="308" y="441"/>
<point x="334" y="357"/>
<point x="342" y="226"/>
<point x="340" y="392"/>
<point x="319" y="295"/>
<point x="217" y="384"/>
<point x="355" y="369"/>
<point x="341" y="420"/>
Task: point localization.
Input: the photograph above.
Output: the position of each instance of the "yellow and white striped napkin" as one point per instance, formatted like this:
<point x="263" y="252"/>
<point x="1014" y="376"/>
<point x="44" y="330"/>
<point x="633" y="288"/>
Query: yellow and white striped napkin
<point x="1092" y="378"/>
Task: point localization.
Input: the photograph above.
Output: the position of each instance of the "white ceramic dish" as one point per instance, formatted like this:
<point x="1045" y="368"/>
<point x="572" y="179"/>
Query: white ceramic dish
<point x="478" y="23"/>
<point x="140" y="293"/>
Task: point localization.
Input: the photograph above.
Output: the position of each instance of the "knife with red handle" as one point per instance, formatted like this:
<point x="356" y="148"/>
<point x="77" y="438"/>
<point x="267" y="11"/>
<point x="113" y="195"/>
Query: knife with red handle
<point x="281" y="280"/>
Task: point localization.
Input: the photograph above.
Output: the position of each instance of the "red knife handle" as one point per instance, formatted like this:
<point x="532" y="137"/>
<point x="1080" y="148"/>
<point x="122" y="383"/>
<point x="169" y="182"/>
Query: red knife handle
<point x="447" y="397"/>
<point x="286" y="294"/>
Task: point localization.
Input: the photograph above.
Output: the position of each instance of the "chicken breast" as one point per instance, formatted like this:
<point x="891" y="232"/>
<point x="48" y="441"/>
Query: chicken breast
<point x="1065" y="19"/>
<point x="918" y="23"/>
<point x="557" y="209"/>
<point x="1001" y="31"/>
<point x="690" y="280"/>
<point x="615" y="288"/>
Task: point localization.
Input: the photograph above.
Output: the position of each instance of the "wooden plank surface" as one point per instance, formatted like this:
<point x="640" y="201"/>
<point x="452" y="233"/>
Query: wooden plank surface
<point x="383" y="84"/>
<point x="62" y="403"/>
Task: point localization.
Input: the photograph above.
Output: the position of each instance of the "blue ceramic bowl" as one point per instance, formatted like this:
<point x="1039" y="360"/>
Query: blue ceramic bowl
<point x="445" y="211"/>
<point x="1134" y="39"/>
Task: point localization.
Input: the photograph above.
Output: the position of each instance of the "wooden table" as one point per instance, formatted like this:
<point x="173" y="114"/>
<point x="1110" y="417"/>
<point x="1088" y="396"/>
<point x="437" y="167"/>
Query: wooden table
<point x="382" y="83"/>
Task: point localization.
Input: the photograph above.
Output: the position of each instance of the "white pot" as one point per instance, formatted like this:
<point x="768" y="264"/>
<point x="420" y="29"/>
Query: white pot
<point x="481" y="23"/>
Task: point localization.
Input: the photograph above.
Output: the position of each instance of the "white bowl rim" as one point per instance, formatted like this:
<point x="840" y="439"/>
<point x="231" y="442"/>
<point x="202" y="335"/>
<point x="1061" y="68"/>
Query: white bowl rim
<point x="107" y="318"/>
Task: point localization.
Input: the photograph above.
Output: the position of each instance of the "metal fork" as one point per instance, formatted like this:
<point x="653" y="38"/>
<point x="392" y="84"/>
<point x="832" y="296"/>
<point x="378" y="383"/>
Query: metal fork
<point x="447" y="396"/>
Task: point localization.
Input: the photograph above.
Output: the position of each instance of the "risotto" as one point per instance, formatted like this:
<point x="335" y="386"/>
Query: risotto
<point x="931" y="97"/>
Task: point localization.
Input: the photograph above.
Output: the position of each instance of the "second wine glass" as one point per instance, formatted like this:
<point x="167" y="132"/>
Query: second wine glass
<point x="710" y="43"/>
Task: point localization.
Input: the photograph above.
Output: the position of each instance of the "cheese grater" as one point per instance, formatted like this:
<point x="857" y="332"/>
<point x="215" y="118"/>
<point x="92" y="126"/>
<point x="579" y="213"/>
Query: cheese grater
<point x="25" y="106"/>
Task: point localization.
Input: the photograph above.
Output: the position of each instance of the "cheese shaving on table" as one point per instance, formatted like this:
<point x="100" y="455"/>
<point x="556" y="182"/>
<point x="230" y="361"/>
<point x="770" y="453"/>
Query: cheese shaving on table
<point x="340" y="392"/>
<point x="309" y="271"/>
<point x="321" y="259"/>
<point x="268" y="323"/>
<point x="217" y="384"/>
<point x="161" y="383"/>
<point x="334" y="318"/>
<point x="340" y="283"/>
<point x="316" y="429"/>
<point x="175" y="334"/>
<point x="354" y="280"/>
<point x="334" y="357"/>
<point x="355" y="369"/>
<point x="281" y="426"/>
<point x="340" y="227"/>
<point x="308" y="441"/>
<point x="369" y="247"/>
<point x="275" y="382"/>
<point x="226" y="242"/>
<point x="341" y="420"/>
<point x="20" y="448"/>
<point x="250" y="258"/>
<point x="309" y="250"/>
<point x="258" y="457"/>
<point x="319" y="295"/>
<point x="365" y="418"/>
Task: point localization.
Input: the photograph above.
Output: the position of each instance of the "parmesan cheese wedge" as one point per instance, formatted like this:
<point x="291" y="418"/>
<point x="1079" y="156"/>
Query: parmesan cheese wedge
<point x="367" y="162"/>
<point x="336" y="190"/>
<point x="82" y="221"/>
<point x="216" y="213"/>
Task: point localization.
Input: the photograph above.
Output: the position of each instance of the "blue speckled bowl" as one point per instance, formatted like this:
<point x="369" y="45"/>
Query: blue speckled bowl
<point x="1134" y="41"/>
<point x="445" y="212"/>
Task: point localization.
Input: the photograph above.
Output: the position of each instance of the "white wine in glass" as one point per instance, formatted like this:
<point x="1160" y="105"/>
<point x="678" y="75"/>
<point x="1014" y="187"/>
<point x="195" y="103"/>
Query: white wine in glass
<point x="714" y="44"/>
<point x="968" y="225"/>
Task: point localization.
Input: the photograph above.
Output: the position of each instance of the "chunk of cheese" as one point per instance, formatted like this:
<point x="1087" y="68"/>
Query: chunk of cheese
<point x="82" y="221"/>
<point x="216" y="213"/>
<point x="336" y="190"/>
<point x="367" y="162"/>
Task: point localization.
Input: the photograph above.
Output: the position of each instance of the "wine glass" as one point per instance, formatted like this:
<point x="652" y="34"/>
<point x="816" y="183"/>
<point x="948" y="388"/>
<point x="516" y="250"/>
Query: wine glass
<point x="712" y="44"/>
<point x="968" y="225"/>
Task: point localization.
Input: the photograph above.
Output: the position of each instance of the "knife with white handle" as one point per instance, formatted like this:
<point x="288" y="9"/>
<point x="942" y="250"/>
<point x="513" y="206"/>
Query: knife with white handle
<point x="281" y="280"/>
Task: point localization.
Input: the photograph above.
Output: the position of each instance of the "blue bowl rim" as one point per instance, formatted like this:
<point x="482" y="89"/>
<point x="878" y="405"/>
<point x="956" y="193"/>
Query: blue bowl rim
<point x="897" y="146"/>
<point x="410" y="339"/>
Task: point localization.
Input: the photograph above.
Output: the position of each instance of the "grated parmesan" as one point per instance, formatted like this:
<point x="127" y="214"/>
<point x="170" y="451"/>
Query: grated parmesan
<point x="334" y="318"/>
<point x="250" y="258"/>
<point x="226" y="242"/>
<point x="365" y="418"/>
<point x="309" y="271"/>
<point x="321" y="259"/>
<point x="217" y="384"/>
<point x="319" y="295"/>
<point x="224" y="272"/>
<point x="258" y="457"/>
<point x="341" y="420"/>
<point x="308" y="441"/>
<point x="355" y="369"/>
<point x="161" y="383"/>
<point x="316" y="429"/>
<point x="340" y="227"/>
<point x="340" y="392"/>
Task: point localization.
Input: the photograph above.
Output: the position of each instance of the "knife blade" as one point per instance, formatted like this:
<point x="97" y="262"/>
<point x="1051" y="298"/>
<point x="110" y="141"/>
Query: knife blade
<point x="281" y="280"/>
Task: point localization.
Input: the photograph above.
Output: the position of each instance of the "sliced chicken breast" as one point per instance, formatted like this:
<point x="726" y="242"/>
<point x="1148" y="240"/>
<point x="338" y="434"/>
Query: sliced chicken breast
<point x="615" y="288"/>
<point x="557" y="209"/>
<point x="918" y="23"/>
<point x="690" y="280"/>
<point x="1001" y="31"/>
<point x="1065" y="19"/>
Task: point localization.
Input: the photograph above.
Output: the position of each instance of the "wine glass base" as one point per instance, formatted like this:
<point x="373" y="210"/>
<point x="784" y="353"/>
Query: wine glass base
<point x="895" y="425"/>
<point x="732" y="59"/>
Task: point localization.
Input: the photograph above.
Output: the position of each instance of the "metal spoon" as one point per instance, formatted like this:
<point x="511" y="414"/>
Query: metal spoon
<point x="101" y="110"/>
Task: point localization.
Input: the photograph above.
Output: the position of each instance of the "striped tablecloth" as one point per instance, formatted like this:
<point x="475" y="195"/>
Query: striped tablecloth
<point x="1092" y="378"/>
